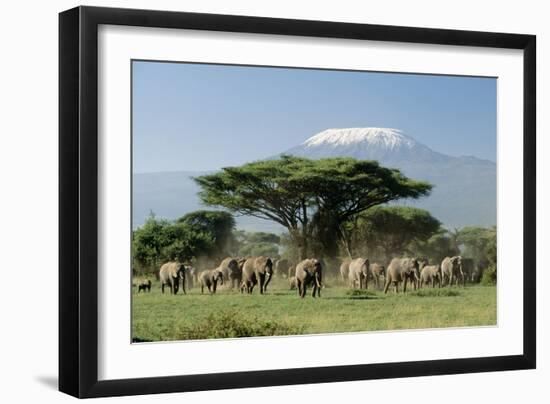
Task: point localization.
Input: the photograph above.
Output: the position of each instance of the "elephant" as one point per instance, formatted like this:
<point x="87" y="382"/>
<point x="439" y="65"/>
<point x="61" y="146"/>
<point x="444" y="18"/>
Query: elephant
<point x="224" y="268"/>
<point x="344" y="270"/>
<point x="402" y="270"/>
<point x="430" y="274"/>
<point x="244" y="286"/>
<point x="451" y="269"/>
<point x="377" y="271"/>
<point x="359" y="272"/>
<point x="280" y="268"/>
<point x="210" y="279"/>
<point x="170" y="273"/>
<point x="478" y="273"/>
<point x="422" y="262"/>
<point x="231" y="271"/>
<point x="291" y="271"/>
<point x="309" y="271"/>
<point x="257" y="270"/>
<point x="145" y="286"/>
<point x="192" y="277"/>
<point x="468" y="269"/>
<point x="479" y="269"/>
<point x="237" y="276"/>
<point x="292" y="282"/>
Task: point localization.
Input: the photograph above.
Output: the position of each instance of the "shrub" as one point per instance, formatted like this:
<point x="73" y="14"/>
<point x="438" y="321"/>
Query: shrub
<point x="489" y="276"/>
<point x="359" y="292"/>
<point x="445" y="292"/>
<point x="231" y="324"/>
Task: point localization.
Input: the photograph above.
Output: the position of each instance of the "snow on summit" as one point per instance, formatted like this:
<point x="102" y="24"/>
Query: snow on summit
<point x="386" y="145"/>
<point x="379" y="137"/>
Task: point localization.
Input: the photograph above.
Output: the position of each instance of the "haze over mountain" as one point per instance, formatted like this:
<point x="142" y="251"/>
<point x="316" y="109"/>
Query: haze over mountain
<point x="464" y="187"/>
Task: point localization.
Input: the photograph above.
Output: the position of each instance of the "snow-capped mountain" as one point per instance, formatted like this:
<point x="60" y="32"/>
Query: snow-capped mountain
<point x="465" y="187"/>
<point x="464" y="192"/>
<point x="380" y="137"/>
<point x="386" y="138"/>
<point x="381" y="144"/>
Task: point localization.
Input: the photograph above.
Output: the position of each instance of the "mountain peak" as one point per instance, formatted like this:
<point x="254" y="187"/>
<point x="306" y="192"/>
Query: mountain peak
<point x="386" y="138"/>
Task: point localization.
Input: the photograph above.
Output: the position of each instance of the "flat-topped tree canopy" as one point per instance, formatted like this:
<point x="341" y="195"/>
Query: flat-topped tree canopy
<point x="292" y="191"/>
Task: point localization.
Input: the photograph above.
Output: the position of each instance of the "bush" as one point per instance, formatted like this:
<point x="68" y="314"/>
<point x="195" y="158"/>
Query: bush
<point x="444" y="292"/>
<point x="231" y="324"/>
<point x="489" y="276"/>
<point x="360" y="294"/>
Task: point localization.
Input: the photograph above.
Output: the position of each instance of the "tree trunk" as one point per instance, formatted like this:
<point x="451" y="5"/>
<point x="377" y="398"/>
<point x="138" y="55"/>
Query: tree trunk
<point x="304" y="243"/>
<point x="345" y="242"/>
<point x="303" y="251"/>
<point x="347" y="248"/>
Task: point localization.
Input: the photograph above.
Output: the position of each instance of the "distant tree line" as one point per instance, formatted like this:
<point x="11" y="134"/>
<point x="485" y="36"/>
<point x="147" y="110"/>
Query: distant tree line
<point x="201" y="235"/>
<point x="197" y="234"/>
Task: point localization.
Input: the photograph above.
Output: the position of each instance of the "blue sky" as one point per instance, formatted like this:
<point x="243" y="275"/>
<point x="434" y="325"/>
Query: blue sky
<point x="196" y="117"/>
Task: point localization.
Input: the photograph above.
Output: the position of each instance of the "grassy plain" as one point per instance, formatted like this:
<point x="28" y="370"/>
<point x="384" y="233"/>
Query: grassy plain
<point x="158" y="317"/>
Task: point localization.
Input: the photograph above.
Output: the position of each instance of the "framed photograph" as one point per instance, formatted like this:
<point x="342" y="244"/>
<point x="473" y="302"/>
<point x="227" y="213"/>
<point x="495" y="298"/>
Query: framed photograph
<point x="250" y="201"/>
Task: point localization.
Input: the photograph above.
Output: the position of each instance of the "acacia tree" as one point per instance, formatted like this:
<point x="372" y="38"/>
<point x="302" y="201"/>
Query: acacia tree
<point x="148" y="241"/>
<point x="257" y="243"/>
<point x="218" y="224"/>
<point x="390" y="230"/>
<point x="186" y="244"/>
<point x="160" y="240"/>
<point x="437" y="247"/>
<point x="479" y="243"/>
<point x="300" y="193"/>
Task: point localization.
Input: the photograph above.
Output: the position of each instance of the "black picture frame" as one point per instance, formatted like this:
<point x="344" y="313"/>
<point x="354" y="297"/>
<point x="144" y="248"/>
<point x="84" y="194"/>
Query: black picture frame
<point x="78" y="201"/>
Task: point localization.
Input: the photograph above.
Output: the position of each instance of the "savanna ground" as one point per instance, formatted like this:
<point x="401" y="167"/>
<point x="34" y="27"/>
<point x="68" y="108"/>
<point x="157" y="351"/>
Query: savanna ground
<point x="228" y="314"/>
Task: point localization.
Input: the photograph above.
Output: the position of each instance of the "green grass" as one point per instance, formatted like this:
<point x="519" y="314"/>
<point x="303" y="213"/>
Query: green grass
<point x="157" y="317"/>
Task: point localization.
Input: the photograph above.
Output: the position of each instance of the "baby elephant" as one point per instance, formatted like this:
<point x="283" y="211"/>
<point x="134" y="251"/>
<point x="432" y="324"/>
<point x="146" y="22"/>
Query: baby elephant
<point x="210" y="279"/>
<point x="430" y="274"/>
<point x="377" y="271"/>
<point x="145" y="286"/>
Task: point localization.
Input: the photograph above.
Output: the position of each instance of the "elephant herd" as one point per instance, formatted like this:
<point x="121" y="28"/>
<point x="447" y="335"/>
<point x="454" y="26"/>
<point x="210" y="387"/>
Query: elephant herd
<point x="242" y="273"/>
<point x="248" y="273"/>
<point x="413" y="271"/>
